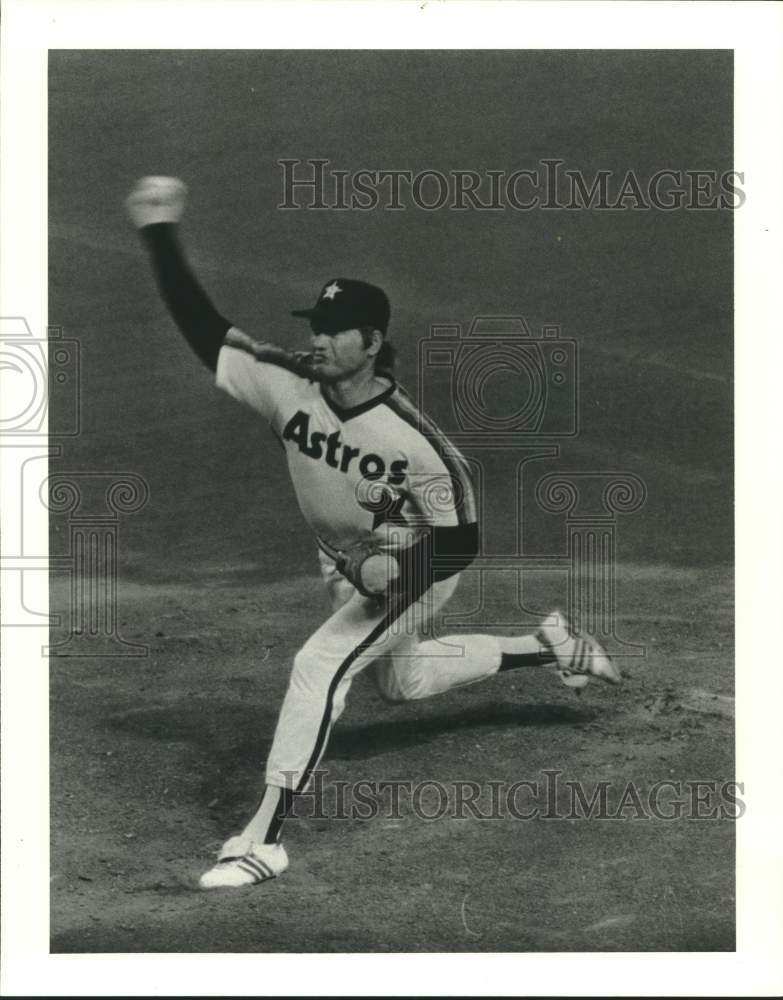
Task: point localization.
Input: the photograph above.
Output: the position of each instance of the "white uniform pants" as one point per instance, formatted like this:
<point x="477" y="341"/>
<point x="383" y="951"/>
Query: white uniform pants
<point x="363" y="633"/>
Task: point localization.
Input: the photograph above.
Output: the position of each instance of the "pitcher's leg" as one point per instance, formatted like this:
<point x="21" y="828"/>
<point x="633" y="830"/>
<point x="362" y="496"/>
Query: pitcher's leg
<point x="322" y="673"/>
<point x="359" y="632"/>
<point x="304" y="721"/>
<point x="421" y="667"/>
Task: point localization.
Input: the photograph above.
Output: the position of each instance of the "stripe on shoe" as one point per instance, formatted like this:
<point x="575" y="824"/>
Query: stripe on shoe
<point x="262" y="865"/>
<point x="258" y="869"/>
<point x="574" y="664"/>
<point x="256" y="878"/>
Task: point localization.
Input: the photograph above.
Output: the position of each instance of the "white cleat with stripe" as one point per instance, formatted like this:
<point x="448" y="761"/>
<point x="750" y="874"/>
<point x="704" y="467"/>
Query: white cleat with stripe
<point x="579" y="657"/>
<point x="241" y="863"/>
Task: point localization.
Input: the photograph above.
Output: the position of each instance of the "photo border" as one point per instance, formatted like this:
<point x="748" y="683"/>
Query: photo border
<point x="754" y="32"/>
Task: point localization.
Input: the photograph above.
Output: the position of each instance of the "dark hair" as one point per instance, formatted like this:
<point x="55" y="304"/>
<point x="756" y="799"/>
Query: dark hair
<point x="384" y="359"/>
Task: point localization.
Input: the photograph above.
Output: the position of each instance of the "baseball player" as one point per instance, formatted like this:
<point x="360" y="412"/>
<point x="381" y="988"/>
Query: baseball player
<point x="390" y="503"/>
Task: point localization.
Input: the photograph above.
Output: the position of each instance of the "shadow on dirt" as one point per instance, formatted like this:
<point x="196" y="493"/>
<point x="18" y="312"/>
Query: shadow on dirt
<point x="231" y="728"/>
<point x="231" y="750"/>
<point x="394" y="734"/>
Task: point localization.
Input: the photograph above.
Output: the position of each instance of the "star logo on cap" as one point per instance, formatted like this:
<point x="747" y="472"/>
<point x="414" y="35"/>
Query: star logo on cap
<point x="331" y="290"/>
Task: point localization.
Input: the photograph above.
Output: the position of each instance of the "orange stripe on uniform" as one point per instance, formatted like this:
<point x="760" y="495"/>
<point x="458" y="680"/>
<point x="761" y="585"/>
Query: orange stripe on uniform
<point x="403" y="406"/>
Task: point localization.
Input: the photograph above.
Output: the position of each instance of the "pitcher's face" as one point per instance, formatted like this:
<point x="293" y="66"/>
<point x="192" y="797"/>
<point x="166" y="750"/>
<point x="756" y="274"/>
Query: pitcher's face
<point x="340" y="355"/>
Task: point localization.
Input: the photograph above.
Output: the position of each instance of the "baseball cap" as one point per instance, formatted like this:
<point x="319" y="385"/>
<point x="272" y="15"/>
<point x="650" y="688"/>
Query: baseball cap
<point x="344" y="303"/>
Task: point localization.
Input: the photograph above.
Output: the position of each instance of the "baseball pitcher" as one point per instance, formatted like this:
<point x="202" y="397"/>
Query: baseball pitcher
<point x="391" y="505"/>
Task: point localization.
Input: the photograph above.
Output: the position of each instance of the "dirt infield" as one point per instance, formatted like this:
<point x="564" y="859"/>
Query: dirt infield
<point x="155" y="758"/>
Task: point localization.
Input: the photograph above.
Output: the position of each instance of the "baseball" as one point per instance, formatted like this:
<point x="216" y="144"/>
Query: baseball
<point x="157" y="199"/>
<point x="378" y="572"/>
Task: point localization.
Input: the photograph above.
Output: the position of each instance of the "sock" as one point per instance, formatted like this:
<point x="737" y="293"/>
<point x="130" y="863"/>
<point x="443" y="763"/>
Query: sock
<point x="524" y="651"/>
<point x="265" y="826"/>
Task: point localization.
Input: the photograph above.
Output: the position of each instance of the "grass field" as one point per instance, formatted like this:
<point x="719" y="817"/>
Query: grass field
<point x="155" y="759"/>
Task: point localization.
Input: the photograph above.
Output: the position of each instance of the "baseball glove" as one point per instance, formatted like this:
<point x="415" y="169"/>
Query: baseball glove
<point x="370" y="567"/>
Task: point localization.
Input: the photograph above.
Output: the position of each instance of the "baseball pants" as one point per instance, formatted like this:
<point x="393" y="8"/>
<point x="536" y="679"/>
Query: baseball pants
<point x="393" y="643"/>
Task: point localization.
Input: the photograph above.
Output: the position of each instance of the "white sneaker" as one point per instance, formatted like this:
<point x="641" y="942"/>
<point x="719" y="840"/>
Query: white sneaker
<point x="579" y="657"/>
<point x="241" y="862"/>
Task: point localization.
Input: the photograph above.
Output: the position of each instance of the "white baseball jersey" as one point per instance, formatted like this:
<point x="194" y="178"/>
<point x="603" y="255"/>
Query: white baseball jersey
<point x="339" y="458"/>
